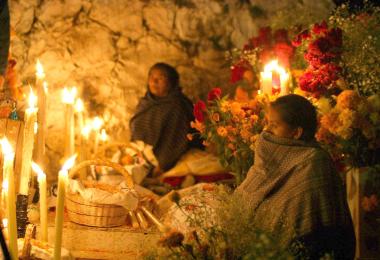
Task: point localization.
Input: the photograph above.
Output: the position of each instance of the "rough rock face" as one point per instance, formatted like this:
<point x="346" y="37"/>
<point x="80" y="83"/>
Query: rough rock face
<point x="105" y="48"/>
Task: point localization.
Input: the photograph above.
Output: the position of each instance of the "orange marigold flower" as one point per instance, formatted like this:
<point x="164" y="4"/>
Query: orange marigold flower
<point x="198" y="126"/>
<point x="245" y="134"/>
<point x="348" y="99"/>
<point x="215" y="117"/>
<point x="370" y="203"/>
<point x="222" y="131"/>
<point x="236" y="108"/>
<point x="189" y="137"/>
<point x="231" y="146"/>
<point x="205" y="143"/>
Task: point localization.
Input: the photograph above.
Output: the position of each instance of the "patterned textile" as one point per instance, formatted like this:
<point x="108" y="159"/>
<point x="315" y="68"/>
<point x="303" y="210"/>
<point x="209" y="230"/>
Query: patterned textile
<point x="163" y="122"/>
<point x="4" y="35"/>
<point x="296" y="194"/>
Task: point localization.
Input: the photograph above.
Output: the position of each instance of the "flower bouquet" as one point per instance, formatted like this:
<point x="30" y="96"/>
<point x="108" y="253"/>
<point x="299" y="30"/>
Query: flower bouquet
<point x="232" y="127"/>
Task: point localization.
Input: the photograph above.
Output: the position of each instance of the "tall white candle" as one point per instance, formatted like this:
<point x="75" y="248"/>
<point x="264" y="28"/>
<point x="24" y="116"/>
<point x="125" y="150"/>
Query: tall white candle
<point x="68" y="98"/>
<point x="96" y="125"/>
<point x="28" y="143"/>
<point x="84" y="149"/>
<point x="62" y="183"/>
<point x="43" y="201"/>
<point x="41" y="86"/>
<point x="11" y="196"/>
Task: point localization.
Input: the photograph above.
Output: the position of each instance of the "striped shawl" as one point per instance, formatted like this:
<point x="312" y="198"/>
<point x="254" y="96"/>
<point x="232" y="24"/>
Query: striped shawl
<point x="163" y="122"/>
<point x="296" y="195"/>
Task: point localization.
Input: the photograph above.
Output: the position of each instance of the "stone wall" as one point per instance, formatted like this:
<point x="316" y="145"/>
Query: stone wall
<point x="105" y="48"/>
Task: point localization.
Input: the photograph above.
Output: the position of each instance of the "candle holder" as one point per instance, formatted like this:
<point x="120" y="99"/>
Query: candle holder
<point x="21" y="214"/>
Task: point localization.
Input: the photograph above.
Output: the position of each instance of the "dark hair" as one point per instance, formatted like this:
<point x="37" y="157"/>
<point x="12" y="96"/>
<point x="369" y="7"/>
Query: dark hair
<point x="170" y="71"/>
<point x="297" y="111"/>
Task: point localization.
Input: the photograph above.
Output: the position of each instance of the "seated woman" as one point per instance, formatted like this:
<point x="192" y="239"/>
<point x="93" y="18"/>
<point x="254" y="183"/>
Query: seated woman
<point x="293" y="188"/>
<point x="163" y="117"/>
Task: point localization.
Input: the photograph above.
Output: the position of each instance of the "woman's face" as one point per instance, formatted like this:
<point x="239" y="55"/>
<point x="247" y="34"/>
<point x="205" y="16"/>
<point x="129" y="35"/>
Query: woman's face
<point x="279" y="128"/>
<point x="158" y="83"/>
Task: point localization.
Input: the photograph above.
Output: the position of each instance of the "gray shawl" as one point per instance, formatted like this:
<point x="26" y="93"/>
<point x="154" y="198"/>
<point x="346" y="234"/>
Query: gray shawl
<point x="163" y="122"/>
<point x="295" y="193"/>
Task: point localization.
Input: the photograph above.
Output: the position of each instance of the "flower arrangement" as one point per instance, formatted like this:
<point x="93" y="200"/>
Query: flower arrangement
<point x="232" y="127"/>
<point x="352" y="128"/>
<point x="232" y="235"/>
<point x="259" y="50"/>
<point x="322" y="47"/>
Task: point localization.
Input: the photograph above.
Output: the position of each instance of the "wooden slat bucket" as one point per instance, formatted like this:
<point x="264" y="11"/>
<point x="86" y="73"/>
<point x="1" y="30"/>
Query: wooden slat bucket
<point x="87" y="213"/>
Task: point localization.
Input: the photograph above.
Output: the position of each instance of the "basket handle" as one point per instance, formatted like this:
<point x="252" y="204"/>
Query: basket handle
<point x="102" y="162"/>
<point x="102" y="149"/>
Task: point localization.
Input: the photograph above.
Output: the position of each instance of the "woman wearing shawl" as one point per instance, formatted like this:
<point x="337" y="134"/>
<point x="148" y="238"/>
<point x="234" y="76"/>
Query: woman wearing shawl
<point x="293" y="188"/>
<point x="163" y="117"/>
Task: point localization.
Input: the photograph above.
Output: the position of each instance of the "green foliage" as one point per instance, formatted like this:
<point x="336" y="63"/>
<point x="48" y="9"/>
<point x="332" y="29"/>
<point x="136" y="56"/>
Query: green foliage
<point x="257" y="12"/>
<point x="301" y="14"/>
<point x="224" y="231"/>
<point x="361" y="54"/>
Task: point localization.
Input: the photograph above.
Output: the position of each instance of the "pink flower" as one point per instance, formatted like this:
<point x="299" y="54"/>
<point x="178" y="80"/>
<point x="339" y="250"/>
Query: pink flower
<point x="215" y="93"/>
<point x="199" y="109"/>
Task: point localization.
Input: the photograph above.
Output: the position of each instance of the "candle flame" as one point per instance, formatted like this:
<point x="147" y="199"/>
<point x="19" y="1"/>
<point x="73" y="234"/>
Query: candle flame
<point x="103" y="135"/>
<point x="79" y="106"/>
<point x="68" y="95"/>
<point x="6" y="146"/>
<point x="38" y="170"/>
<point x="39" y="70"/>
<point x="274" y="66"/>
<point x="5" y="185"/>
<point x="32" y="99"/>
<point x="97" y="123"/>
<point x="69" y="163"/>
<point x="45" y="85"/>
<point x="86" y="131"/>
<point x="5" y="222"/>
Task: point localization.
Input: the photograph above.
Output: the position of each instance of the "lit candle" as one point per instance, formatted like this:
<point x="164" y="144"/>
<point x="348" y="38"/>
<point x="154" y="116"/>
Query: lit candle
<point x="62" y="183"/>
<point x="28" y="143"/>
<point x="4" y="192"/>
<point x="79" y="108"/>
<point x="284" y="78"/>
<point x="43" y="200"/>
<point x="266" y="82"/>
<point x="103" y="136"/>
<point x="41" y="86"/>
<point x="83" y="153"/>
<point x="5" y="228"/>
<point x="11" y="196"/>
<point x="96" y="125"/>
<point x="68" y="98"/>
<point x="267" y="78"/>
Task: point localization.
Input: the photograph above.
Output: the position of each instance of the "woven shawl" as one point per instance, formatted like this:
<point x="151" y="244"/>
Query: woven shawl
<point x="294" y="192"/>
<point x="4" y="35"/>
<point x="163" y="122"/>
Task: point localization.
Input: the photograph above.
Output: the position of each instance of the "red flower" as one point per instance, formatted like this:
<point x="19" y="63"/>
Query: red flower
<point x="238" y="70"/>
<point x="320" y="28"/>
<point x="199" y="109"/>
<point x="281" y="35"/>
<point x="214" y="94"/>
<point x="304" y="35"/>
<point x="284" y="52"/>
<point x="335" y="37"/>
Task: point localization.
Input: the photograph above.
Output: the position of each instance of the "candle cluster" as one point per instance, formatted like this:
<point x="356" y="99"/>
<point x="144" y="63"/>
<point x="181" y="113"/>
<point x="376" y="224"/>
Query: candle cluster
<point x="274" y="79"/>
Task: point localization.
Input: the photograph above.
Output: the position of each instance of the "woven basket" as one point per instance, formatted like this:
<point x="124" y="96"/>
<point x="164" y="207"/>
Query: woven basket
<point x="87" y="213"/>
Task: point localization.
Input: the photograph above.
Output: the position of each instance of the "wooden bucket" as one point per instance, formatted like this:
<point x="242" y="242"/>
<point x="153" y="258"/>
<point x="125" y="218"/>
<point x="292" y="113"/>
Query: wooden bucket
<point x="87" y="213"/>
